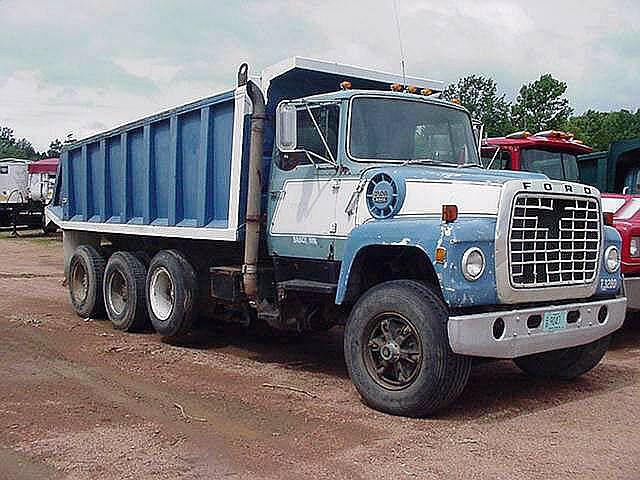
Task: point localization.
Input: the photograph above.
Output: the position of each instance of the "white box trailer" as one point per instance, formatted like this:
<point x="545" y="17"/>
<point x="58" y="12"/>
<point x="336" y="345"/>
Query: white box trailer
<point x="14" y="188"/>
<point x="14" y="185"/>
<point x="26" y="186"/>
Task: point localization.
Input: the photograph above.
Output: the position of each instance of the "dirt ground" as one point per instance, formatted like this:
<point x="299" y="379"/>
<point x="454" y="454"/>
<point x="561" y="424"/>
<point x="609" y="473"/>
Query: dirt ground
<point x="79" y="400"/>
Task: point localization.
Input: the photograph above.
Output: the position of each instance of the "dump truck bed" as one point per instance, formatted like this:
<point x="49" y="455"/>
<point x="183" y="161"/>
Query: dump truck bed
<point x="177" y="173"/>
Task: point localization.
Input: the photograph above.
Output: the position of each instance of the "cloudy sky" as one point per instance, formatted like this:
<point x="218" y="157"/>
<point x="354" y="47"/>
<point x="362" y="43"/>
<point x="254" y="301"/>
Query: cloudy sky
<point x="82" y="66"/>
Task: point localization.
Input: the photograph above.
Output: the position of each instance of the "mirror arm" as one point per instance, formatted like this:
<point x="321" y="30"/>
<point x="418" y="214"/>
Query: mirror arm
<point x="310" y="156"/>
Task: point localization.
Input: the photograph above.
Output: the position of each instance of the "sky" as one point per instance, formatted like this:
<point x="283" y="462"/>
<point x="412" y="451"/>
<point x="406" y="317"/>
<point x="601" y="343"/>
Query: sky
<point x="82" y="66"/>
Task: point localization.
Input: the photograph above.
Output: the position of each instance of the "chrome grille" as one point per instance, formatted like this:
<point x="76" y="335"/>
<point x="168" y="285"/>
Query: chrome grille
<point x="554" y="240"/>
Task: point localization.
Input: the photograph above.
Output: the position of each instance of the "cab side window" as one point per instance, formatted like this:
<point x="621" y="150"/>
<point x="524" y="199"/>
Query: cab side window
<point x="327" y="118"/>
<point x="502" y="160"/>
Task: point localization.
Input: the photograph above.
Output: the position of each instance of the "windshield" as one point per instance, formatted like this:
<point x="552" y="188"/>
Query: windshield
<point x="390" y="129"/>
<point x="555" y="165"/>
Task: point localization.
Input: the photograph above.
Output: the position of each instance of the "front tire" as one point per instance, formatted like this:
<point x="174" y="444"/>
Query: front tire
<point x="171" y="288"/>
<point x="397" y="350"/>
<point x="124" y="292"/>
<point x="565" y="364"/>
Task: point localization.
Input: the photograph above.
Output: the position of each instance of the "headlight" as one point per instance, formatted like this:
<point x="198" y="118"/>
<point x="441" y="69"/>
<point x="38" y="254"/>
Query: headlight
<point x="612" y="259"/>
<point x="634" y="247"/>
<point x="472" y="263"/>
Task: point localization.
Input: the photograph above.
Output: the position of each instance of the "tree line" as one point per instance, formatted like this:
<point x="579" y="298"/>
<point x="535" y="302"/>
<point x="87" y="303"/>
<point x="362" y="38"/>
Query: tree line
<point x="540" y="105"/>
<point x="12" y="147"/>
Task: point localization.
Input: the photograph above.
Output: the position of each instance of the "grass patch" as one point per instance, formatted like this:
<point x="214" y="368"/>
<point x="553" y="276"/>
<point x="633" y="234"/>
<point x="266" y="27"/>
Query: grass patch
<point x="31" y="235"/>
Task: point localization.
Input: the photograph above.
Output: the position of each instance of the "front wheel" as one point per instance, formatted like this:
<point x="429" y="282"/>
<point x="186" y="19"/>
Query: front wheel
<point x="565" y="364"/>
<point x="397" y="350"/>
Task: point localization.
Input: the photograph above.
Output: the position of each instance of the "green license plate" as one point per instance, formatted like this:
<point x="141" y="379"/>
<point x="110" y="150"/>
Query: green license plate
<point x="554" y="321"/>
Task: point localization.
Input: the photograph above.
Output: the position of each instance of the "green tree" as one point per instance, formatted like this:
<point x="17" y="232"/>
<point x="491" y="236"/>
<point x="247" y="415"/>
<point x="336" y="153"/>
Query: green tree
<point x="10" y="147"/>
<point x="55" y="148"/>
<point x="479" y="95"/>
<point x="598" y="129"/>
<point x="541" y="105"/>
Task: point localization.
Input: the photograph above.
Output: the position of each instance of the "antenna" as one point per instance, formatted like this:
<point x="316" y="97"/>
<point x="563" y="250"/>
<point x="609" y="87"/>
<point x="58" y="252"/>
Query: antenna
<point x="395" y="12"/>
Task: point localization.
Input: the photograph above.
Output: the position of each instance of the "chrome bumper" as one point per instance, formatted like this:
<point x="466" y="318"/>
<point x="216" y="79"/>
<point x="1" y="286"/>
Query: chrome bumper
<point x="474" y="334"/>
<point x="631" y="287"/>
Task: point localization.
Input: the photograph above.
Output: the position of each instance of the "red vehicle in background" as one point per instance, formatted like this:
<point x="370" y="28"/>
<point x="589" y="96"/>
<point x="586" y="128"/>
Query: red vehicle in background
<point x="553" y="153"/>
<point x="559" y="156"/>
<point x="617" y="171"/>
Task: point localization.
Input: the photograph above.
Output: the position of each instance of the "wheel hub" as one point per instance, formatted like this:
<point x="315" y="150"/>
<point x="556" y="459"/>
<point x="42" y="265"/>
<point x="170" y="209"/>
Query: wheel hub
<point x="390" y="351"/>
<point x="79" y="282"/>
<point x="393" y="353"/>
<point x="161" y="294"/>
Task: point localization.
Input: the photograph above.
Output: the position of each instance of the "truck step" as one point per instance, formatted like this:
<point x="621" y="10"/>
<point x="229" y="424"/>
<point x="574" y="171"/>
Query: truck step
<point x="300" y="285"/>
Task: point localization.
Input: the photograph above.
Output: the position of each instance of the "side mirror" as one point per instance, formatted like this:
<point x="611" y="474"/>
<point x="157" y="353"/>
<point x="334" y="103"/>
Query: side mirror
<point x="286" y="127"/>
<point x="478" y="132"/>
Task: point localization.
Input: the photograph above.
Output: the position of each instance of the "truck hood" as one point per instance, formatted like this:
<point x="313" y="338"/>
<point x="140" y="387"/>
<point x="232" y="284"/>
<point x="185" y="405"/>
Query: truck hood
<point x="625" y="208"/>
<point x="453" y="174"/>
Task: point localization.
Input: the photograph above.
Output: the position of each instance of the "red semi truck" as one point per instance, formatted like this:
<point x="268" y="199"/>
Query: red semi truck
<point x="561" y="157"/>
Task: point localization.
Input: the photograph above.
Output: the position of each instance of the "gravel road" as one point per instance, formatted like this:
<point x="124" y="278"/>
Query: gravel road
<point x="79" y="400"/>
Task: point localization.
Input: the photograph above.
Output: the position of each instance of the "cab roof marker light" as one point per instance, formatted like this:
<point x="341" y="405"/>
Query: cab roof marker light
<point x="396" y="87"/>
<point x="555" y="134"/>
<point x="426" y="92"/>
<point x="346" y="85"/>
<point x="412" y="89"/>
<point x="521" y="134"/>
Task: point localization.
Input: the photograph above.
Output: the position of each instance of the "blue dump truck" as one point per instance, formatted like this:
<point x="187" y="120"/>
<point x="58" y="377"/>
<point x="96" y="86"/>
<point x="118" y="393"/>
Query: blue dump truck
<point x="317" y="195"/>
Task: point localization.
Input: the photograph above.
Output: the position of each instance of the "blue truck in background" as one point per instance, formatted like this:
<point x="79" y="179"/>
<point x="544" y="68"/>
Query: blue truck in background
<point x="322" y="194"/>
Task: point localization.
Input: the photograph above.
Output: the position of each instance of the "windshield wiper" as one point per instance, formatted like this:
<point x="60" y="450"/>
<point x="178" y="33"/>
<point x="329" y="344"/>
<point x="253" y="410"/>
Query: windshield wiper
<point x="427" y="161"/>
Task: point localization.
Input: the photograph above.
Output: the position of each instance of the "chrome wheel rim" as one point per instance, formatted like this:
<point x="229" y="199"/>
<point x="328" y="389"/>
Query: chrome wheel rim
<point x="161" y="293"/>
<point x="79" y="282"/>
<point x="117" y="292"/>
<point x="393" y="351"/>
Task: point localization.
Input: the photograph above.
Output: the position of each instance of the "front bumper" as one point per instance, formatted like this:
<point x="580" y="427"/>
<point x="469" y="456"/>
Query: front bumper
<point x="474" y="334"/>
<point x="631" y="287"/>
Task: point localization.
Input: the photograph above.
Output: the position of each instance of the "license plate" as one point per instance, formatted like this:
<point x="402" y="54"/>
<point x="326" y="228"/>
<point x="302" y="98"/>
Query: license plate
<point x="554" y="321"/>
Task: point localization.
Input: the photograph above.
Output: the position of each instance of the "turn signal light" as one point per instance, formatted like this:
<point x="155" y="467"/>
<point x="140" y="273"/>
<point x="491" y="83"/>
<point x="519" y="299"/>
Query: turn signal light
<point x="607" y="218"/>
<point x="449" y="213"/>
<point x="441" y="254"/>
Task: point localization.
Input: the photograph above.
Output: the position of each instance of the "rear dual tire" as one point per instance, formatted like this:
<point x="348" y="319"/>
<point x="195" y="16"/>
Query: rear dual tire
<point x="84" y="278"/>
<point x="171" y="287"/>
<point x="124" y="292"/>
